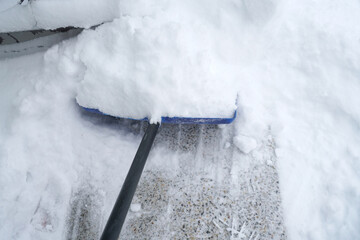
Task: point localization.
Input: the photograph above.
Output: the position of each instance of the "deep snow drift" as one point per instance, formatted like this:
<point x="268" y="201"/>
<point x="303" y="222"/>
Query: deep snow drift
<point x="295" y="66"/>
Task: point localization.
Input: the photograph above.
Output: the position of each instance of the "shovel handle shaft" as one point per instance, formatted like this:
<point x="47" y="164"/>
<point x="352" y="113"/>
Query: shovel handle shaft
<point x="118" y="214"/>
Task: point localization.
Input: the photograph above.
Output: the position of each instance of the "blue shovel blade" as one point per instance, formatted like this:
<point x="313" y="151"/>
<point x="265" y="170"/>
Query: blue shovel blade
<point x="177" y="120"/>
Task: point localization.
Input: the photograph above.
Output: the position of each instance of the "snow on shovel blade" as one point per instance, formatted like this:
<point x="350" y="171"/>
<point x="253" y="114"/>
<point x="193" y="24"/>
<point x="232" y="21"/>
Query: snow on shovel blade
<point x="177" y="120"/>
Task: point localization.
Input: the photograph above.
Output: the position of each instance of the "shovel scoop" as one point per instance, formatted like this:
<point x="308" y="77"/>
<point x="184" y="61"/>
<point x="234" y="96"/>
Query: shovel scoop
<point x="153" y="72"/>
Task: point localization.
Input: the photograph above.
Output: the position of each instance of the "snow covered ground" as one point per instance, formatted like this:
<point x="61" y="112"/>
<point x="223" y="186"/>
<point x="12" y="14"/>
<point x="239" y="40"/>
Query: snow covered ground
<point x="296" y="69"/>
<point x="51" y="14"/>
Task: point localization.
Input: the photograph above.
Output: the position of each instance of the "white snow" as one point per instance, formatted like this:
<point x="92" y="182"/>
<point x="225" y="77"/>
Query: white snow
<point x="51" y="14"/>
<point x="245" y="144"/>
<point x="7" y="4"/>
<point x="17" y="18"/>
<point x="48" y="149"/>
<point x="135" y="207"/>
<point x="294" y="64"/>
<point x="166" y="64"/>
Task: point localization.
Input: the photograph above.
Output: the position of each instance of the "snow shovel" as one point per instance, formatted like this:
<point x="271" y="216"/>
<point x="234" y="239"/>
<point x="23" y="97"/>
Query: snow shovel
<point x="118" y="214"/>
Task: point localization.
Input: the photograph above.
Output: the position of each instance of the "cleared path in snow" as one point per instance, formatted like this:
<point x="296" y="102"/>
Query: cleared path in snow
<point x="196" y="185"/>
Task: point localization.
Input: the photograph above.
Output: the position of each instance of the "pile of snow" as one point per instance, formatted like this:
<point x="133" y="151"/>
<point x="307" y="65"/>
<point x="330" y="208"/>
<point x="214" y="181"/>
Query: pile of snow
<point x="167" y="63"/>
<point x="295" y="66"/>
<point x="301" y="79"/>
<point x="51" y="14"/>
<point x="48" y="150"/>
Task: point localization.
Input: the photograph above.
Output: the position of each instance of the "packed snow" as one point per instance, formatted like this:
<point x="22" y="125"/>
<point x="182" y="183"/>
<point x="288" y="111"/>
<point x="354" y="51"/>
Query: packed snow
<point x="295" y="67"/>
<point x="244" y="143"/>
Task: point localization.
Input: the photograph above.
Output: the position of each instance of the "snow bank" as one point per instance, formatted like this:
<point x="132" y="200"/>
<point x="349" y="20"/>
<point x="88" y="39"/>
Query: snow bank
<point x="12" y="86"/>
<point x="301" y="79"/>
<point x="17" y="18"/>
<point x="49" y="150"/>
<point x="295" y="66"/>
<point x="51" y="14"/>
<point x="7" y="4"/>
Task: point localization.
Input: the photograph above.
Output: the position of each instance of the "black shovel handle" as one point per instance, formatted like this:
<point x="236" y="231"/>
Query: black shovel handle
<point x="122" y="204"/>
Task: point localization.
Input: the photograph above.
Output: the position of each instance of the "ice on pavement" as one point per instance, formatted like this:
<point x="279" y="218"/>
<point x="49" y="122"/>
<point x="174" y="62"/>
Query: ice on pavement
<point x="295" y="66"/>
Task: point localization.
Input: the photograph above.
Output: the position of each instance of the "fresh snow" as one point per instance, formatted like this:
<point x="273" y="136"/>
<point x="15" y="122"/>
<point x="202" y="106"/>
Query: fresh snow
<point x="156" y="67"/>
<point x="295" y="67"/>
<point x="244" y="143"/>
